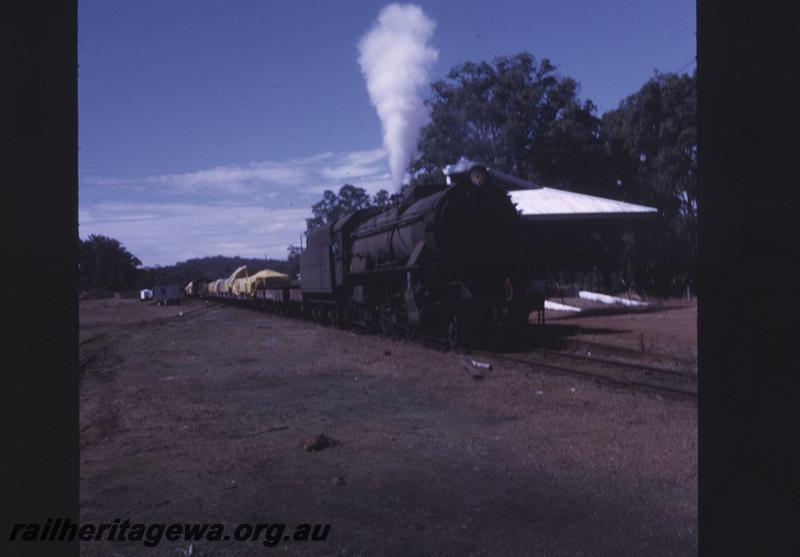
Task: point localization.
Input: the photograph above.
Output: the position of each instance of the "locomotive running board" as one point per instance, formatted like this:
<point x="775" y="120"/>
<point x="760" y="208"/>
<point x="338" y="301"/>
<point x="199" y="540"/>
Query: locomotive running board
<point x="382" y="270"/>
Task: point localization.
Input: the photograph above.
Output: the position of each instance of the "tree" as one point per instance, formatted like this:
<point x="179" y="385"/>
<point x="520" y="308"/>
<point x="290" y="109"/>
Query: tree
<point x="571" y="152"/>
<point x="381" y="199"/>
<point x="652" y="143"/>
<point x="653" y="137"/>
<point x="105" y="264"/>
<point x="332" y="206"/>
<point x="517" y="116"/>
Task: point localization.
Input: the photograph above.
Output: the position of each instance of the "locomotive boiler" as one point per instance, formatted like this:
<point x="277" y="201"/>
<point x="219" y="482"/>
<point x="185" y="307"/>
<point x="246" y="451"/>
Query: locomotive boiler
<point x="446" y="259"/>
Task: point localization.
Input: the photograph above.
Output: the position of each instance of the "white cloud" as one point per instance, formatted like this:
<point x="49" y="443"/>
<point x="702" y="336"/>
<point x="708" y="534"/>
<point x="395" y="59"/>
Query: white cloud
<point x="223" y="210"/>
<point x="357" y="165"/>
<point x="259" y="178"/>
<point x="235" y="179"/>
<point x="166" y="233"/>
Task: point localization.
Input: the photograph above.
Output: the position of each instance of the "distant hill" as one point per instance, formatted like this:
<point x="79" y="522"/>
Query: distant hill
<point x="214" y="267"/>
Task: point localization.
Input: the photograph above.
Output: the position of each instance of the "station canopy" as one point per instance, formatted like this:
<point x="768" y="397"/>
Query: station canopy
<point x="538" y="202"/>
<point x="553" y="204"/>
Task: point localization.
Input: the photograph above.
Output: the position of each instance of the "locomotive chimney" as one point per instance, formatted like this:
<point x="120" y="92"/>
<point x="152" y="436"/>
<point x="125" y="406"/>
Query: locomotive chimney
<point x="466" y="172"/>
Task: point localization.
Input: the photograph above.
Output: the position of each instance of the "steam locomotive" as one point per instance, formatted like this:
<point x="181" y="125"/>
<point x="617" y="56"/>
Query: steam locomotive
<point x="447" y="260"/>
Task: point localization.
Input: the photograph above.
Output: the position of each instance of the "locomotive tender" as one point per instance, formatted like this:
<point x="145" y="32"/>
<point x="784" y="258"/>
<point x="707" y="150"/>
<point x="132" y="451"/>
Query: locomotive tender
<point x="447" y="260"/>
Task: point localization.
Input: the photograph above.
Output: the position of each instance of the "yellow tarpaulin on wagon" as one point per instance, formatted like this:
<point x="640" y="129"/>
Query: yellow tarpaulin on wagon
<point x="265" y="279"/>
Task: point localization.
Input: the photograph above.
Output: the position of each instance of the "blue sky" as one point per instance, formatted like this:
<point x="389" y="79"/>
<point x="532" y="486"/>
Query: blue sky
<point x="210" y="127"/>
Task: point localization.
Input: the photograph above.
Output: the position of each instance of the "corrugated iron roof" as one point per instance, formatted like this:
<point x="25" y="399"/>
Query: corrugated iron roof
<point x="545" y="203"/>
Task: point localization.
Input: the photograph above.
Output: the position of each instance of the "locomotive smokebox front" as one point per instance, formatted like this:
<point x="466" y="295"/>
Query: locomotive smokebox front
<point x="475" y="223"/>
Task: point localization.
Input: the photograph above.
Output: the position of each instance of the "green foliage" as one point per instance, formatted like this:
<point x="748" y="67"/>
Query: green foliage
<point x="381" y="199"/>
<point x="517" y="116"/>
<point x="105" y="264"/>
<point x="570" y="152"/>
<point x="652" y="138"/>
<point x="332" y="205"/>
<point x="652" y="145"/>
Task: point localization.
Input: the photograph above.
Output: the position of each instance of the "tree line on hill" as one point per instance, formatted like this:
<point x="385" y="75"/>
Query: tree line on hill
<point x="106" y="265"/>
<point x="520" y="116"/>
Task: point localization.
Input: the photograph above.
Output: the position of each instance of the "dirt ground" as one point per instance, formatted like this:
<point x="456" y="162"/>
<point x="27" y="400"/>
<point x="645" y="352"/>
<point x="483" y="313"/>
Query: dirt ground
<point x="669" y="327"/>
<point x="198" y="413"/>
<point x="100" y="316"/>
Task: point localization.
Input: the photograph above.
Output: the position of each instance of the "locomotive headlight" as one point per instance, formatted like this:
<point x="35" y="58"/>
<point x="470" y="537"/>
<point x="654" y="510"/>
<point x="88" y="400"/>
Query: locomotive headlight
<point x="478" y="176"/>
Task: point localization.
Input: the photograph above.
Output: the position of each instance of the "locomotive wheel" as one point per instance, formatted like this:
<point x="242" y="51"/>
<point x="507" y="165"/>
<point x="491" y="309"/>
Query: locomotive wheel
<point x="385" y="322"/>
<point x="404" y="330"/>
<point x="341" y="318"/>
<point x="453" y="333"/>
<point x="333" y="317"/>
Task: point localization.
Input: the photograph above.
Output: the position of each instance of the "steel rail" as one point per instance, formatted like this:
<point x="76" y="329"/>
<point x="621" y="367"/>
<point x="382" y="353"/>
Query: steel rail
<point x="619" y="363"/>
<point x="588" y="374"/>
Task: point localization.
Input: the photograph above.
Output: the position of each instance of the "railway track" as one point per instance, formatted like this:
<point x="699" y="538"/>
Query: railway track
<point x="630" y="375"/>
<point x="619" y="363"/>
<point x="627" y="374"/>
<point x="609" y="372"/>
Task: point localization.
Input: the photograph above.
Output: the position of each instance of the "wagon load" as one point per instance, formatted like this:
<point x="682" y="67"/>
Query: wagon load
<point x="197" y="286"/>
<point x="237" y="282"/>
<point x="239" y="286"/>
<point x="217" y="287"/>
<point x="266" y="279"/>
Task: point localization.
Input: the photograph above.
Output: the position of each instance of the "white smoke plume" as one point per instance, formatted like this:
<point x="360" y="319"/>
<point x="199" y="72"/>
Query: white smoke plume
<point x="395" y="60"/>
